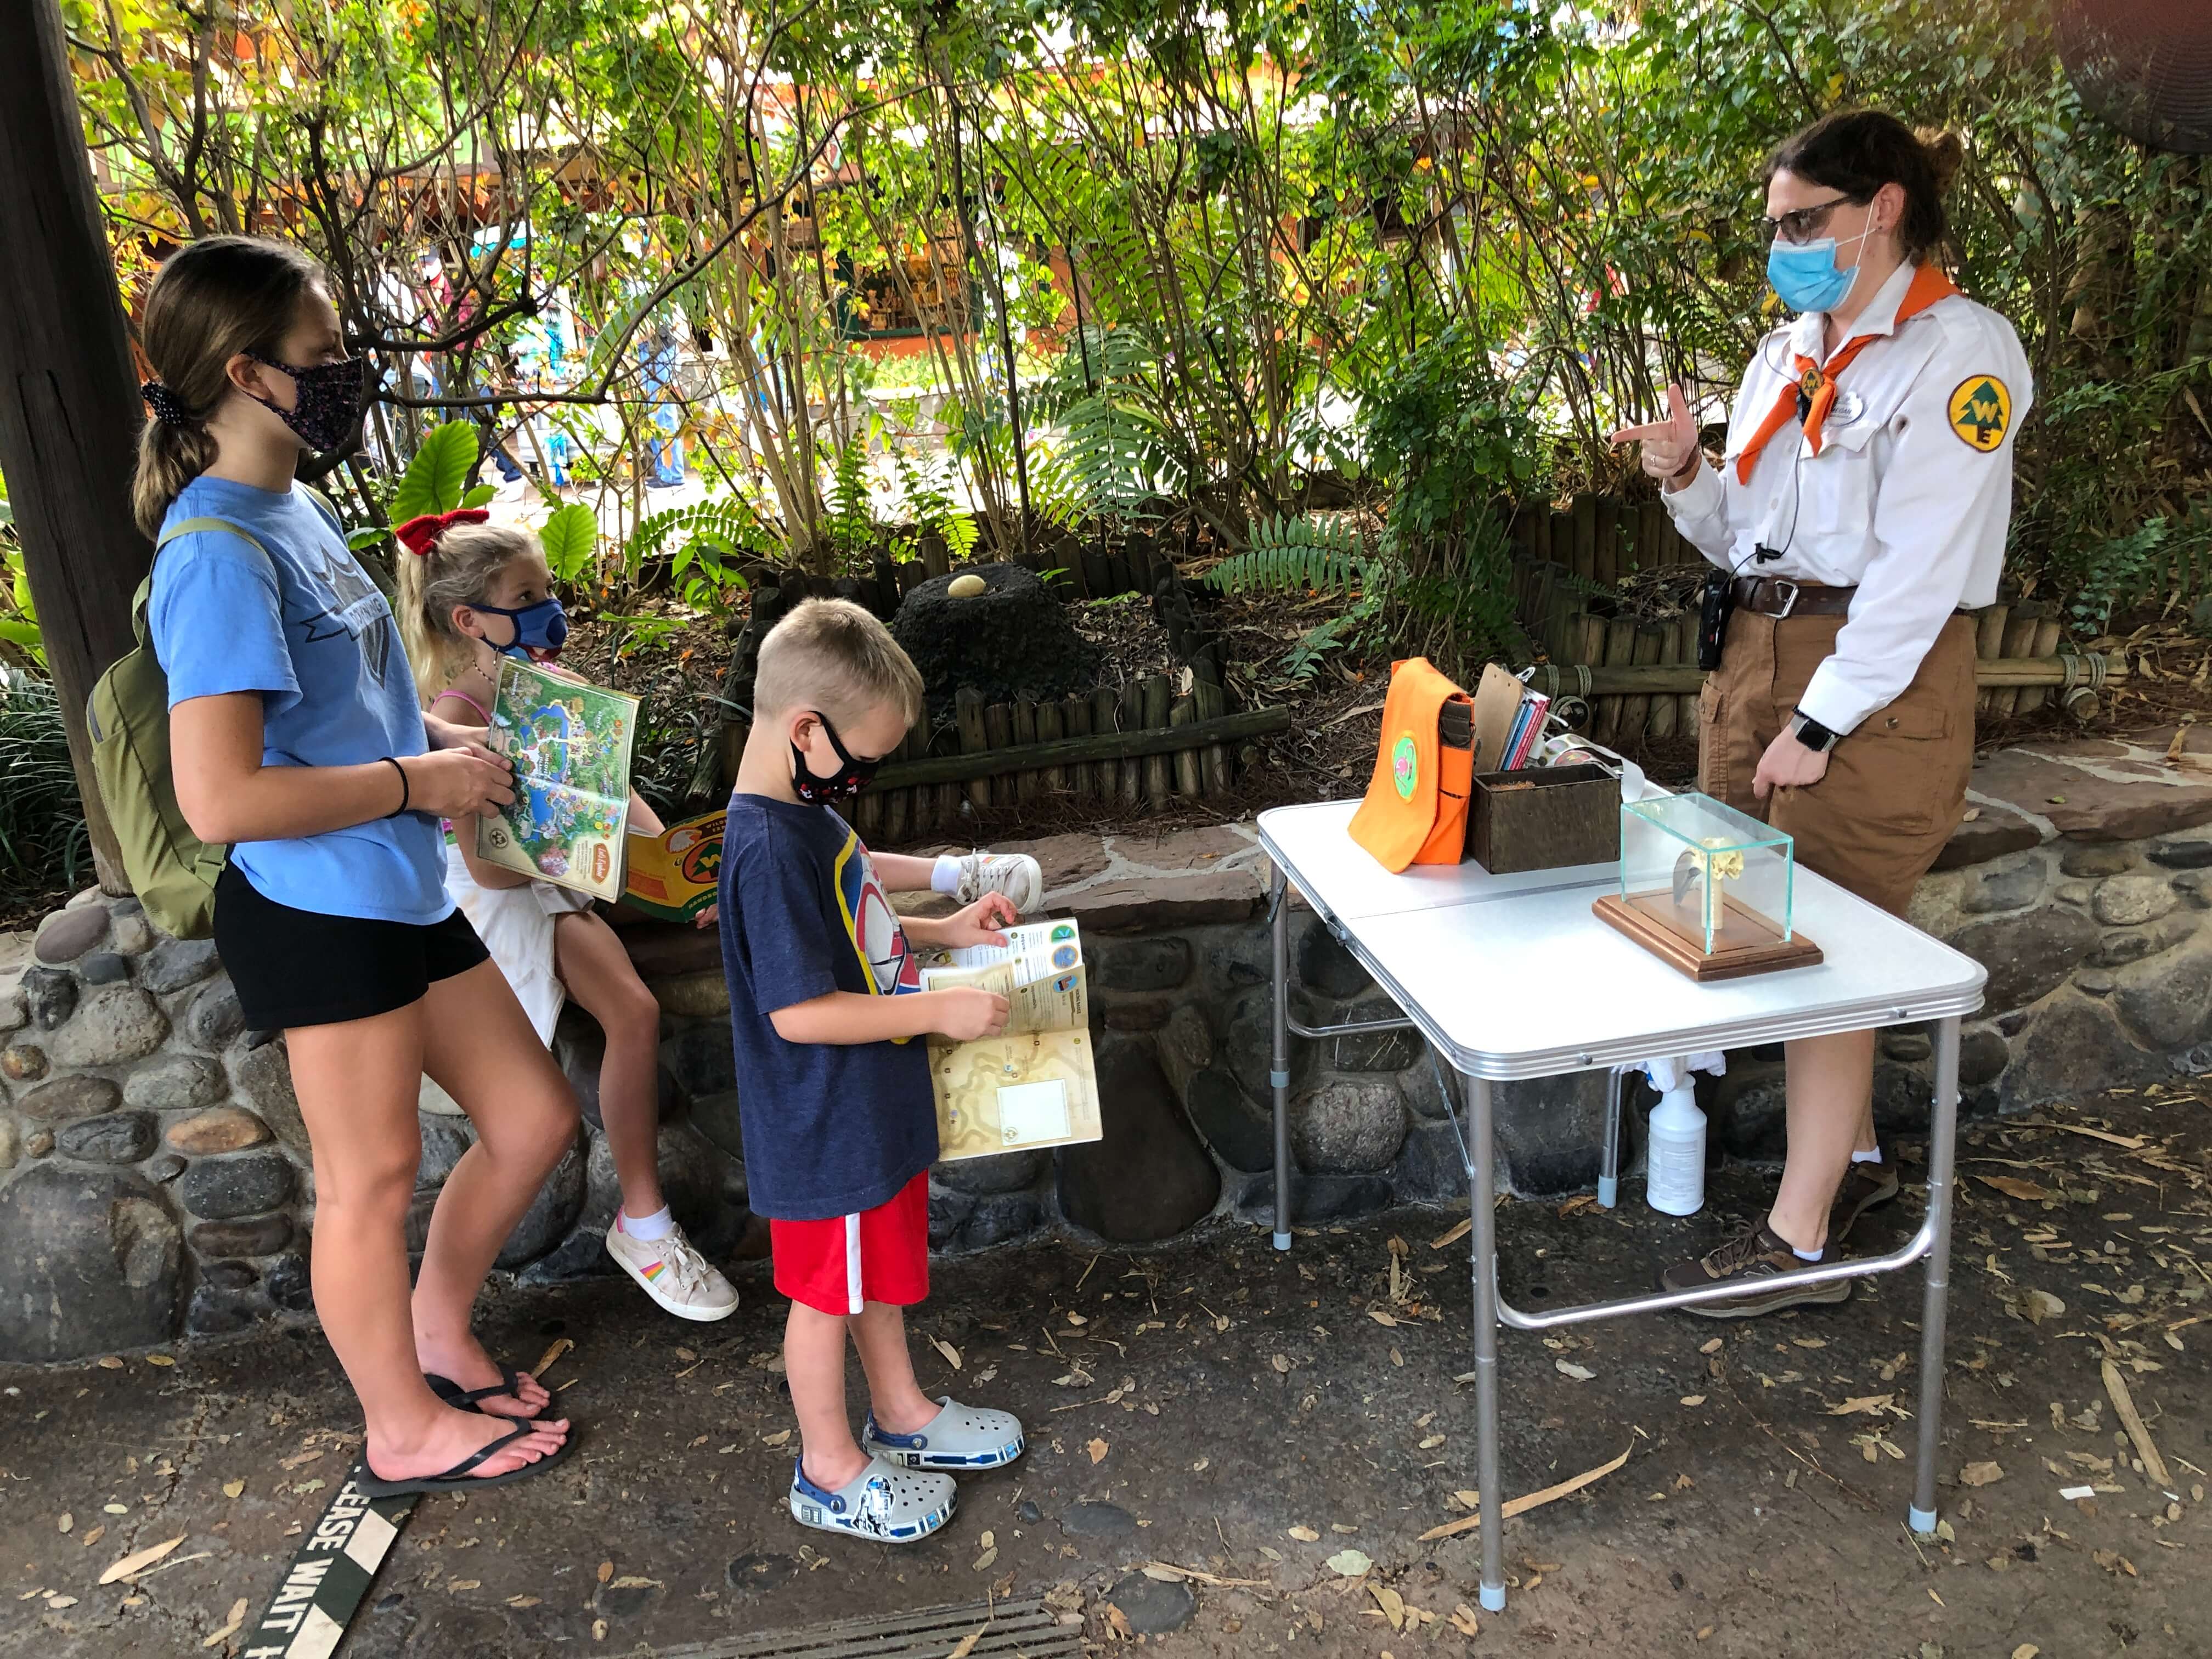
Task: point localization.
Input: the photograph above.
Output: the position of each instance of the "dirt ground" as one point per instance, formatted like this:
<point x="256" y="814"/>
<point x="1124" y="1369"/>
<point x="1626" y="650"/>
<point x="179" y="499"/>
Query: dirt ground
<point x="1284" y="1428"/>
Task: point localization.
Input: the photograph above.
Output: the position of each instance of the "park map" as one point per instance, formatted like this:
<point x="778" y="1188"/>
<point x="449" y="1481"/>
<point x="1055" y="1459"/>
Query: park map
<point x="570" y="746"/>
<point x="1036" y="1085"/>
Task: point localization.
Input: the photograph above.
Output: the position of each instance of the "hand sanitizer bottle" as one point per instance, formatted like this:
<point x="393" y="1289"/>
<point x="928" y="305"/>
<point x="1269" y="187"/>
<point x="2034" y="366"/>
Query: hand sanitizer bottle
<point x="1675" y="1152"/>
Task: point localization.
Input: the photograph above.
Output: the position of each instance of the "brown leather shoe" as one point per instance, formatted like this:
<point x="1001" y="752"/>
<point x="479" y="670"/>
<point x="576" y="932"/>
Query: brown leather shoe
<point x="1865" y="1185"/>
<point x="1751" y="1257"/>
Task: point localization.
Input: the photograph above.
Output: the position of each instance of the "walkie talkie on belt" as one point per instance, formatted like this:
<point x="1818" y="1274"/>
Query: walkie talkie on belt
<point x="1715" y="602"/>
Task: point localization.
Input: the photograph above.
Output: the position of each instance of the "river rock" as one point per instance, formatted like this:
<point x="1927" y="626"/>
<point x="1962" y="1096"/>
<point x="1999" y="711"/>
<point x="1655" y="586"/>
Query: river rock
<point x="444" y="1140"/>
<point x="1000" y="1218"/>
<point x="1185" y="1045"/>
<point x="288" y="1285"/>
<point x="551" y="1213"/>
<point x="177" y="963"/>
<point x="164" y="1167"/>
<point x="948" y="1212"/>
<point x="261" y="1235"/>
<point x="1348" y="1127"/>
<point x="115" y="1138"/>
<point x="265" y="1078"/>
<point x="703" y="1058"/>
<point x="1151" y="1606"/>
<point x="1324" y="966"/>
<point x="91" y="1261"/>
<point x="2082" y="859"/>
<point x="1248" y="1043"/>
<point x="215" y="1311"/>
<point x="114" y="1025"/>
<point x="2130" y="901"/>
<point x="2009" y="887"/>
<point x="1982" y="1057"/>
<point x="14" y="1015"/>
<point x="104" y="968"/>
<point x="693" y="996"/>
<point x="1431" y="1168"/>
<point x="2073" y="1048"/>
<point x="1148" y="1178"/>
<point x="37" y="1143"/>
<point x="2028" y="957"/>
<point x="222" y="1188"/>
<point x="50" y="994"/>
<point x="215" y="1018"/>
<point x="2183" y="855"/>
<point x="716" y="1117"/>
<point x="1001" y="1172"/>
<point x="1375" y="1051"/>
<point x="68" y="1097"/>
<point x="1145" y="964"/>
<point x="131" y="932"/>
<point x="2166" y="1003"/>
<point x="11" y="1145"/>
<point x="1548" y="1130"/>
<point x="175" y="1082"/>
<point x="68" y="934"/>
<point x="225" y="1129"/>
<point x="1240" y="1131"/>
<point x="23" y="1062"/>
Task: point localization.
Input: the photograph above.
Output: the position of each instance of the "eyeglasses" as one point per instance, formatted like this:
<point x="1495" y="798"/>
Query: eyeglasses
<point x="1800" y="224"/>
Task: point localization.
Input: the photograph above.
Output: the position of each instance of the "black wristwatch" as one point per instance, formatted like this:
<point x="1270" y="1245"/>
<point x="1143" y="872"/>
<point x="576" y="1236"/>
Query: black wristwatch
<point x="1813" y="735"/>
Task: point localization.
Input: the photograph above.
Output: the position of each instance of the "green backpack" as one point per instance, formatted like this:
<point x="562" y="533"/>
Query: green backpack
<point x="171" y="869"/>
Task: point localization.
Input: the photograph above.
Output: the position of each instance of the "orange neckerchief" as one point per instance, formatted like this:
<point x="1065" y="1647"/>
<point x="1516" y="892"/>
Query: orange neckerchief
<point x="1816" y="382"/>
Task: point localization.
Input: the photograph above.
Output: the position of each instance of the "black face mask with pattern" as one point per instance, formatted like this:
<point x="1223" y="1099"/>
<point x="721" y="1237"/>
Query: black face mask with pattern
<point x="850" y="778"/>
<point x="328" y="399"/>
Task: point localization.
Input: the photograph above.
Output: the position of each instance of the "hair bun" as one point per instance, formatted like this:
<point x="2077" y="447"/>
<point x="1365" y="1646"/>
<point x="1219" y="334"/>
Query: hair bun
<point x="1945" y="150"/>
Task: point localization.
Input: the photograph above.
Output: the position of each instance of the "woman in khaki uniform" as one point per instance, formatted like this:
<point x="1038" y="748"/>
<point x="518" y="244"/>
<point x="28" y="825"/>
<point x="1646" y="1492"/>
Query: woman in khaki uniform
<point x="1860" y="509"/>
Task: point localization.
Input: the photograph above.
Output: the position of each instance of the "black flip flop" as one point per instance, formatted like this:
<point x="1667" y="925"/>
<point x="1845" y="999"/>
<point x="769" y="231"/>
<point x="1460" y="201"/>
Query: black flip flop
<point x="510" y="1382"/>
<point x="457" y="1478"/>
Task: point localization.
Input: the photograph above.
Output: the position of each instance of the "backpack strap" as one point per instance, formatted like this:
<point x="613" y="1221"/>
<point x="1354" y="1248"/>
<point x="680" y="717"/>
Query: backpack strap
<point x="169" y="533"/>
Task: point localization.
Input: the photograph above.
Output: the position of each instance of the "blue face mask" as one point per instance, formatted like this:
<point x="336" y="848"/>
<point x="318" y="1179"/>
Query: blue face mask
<point x="542" y="627"/>
<point x="1806" y="277"/>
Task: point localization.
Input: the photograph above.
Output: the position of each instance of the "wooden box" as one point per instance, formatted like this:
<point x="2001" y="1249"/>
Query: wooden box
<point x="1543" y="818"/>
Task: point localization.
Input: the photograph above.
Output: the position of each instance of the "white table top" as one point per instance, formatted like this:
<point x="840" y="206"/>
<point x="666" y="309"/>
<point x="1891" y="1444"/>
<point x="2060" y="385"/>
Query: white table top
<point x="1511" y="976"/>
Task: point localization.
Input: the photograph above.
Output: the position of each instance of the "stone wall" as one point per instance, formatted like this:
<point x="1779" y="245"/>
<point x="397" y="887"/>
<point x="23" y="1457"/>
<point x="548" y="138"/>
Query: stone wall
<point x="154" y="1179"/>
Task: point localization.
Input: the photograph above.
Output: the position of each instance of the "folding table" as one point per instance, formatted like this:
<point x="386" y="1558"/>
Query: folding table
<point x="1511" y="976"/>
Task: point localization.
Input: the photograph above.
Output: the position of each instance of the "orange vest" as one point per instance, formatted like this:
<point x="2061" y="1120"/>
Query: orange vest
<point x="1416" y="807"/>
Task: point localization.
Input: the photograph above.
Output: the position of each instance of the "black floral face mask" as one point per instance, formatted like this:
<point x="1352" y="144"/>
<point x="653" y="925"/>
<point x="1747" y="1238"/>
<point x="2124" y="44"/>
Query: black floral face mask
<point x="850" y="778"/>
<point x="329" y="400"/>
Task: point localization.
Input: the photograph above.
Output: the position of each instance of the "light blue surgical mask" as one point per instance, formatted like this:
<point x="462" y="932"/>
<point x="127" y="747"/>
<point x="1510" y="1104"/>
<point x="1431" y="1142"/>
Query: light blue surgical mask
<point x="1806" y="276"/>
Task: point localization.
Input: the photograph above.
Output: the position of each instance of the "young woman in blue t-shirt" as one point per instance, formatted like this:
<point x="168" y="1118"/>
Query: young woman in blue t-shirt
<point x="297" y="740"/>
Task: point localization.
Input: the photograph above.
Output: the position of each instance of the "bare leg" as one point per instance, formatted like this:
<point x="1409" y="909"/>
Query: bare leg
<point x="814" y="1364"/>
<point x="1831" y="1089"/>
<point x="597" y="970"/>
<point x="357" y="1083"/>
<point x="900" y="1406"/>
<point x="478" y="1046"/>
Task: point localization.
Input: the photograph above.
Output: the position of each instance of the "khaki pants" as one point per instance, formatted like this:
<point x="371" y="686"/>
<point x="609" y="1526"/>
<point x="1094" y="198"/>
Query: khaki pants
<point x="1896" y="787"/>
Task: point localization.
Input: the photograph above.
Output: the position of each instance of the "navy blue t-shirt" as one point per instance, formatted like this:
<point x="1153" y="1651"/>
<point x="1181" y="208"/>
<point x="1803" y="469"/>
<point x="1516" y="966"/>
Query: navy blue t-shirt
<point x="830" y="1129"/>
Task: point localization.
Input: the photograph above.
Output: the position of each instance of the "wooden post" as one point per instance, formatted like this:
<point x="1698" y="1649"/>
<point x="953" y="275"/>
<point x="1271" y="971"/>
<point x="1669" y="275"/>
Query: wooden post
<point x="1619" y="650"/>
<point x="2047" y="633"/>
<point x="1105" y="716"/>
<point x="1189" y="781"/>
<point x="2018" y="641"/>
<point x="967" y="712"/>
<point x="1666" y="710"/>
<point x="1075" y="722"/>
<point x="1024" y="717"/>
<point x="1213" y="702"/>
<point x="69" y="410"/>
<point x="1585" y="533"/>
<point x="1636" y="712"/>
<point x="999" y="728"/>
<point x="1130" y="717"/>
<point x="1989" y="642"/>
<point x="1049" y="729"/>
<point x="1605" y="539"/>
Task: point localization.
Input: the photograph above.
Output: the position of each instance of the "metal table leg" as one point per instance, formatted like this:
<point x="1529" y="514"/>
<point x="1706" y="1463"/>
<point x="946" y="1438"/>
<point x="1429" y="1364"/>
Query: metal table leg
<point x="1942" y="1142"/>
<point x="1483" y="1211"/>
<point x="1608" y="1168"/>
<point x="1279" y="1074"/>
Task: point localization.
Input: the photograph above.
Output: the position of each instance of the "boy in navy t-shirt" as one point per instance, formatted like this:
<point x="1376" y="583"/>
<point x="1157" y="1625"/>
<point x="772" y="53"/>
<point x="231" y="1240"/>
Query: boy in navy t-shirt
<point x="828" y="1017"/>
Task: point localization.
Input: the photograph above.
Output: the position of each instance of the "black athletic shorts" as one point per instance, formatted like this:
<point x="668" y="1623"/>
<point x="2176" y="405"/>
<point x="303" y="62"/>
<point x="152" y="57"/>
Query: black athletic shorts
<point x="303" y="967"/>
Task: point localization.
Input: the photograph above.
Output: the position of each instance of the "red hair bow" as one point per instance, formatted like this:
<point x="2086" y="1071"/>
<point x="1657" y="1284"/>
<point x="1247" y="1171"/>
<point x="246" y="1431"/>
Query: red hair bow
<point x="419" y="535"/>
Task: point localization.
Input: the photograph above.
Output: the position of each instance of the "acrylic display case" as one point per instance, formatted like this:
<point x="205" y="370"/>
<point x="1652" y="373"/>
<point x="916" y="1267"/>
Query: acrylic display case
<point x="1707" y="888"/>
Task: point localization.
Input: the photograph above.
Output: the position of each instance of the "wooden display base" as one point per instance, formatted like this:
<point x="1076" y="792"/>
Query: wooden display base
<point x="1749" y="944"/>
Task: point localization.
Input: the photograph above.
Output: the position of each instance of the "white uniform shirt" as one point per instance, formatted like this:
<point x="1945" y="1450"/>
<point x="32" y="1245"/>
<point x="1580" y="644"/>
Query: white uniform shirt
<point x="1908" y="500"/>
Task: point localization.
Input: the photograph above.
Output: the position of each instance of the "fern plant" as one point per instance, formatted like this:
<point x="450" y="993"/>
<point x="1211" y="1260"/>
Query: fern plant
<point x="852" y="524"/>
<point x="924" y="490"/>
<point x="704" y="544"/>
<point x="1302" y="555"/>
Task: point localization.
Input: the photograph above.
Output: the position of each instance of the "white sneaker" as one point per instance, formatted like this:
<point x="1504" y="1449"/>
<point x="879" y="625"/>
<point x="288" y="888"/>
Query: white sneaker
<point x="1014" y="874"/>
<point x="674" y="1274"/>
<point x="892" y="1505"/>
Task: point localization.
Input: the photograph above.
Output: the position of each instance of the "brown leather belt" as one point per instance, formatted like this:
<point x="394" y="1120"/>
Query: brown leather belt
<point x="1779" y="597"/>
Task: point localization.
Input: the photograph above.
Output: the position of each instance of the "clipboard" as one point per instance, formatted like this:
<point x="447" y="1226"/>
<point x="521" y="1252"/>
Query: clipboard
<point x="1497" y="704"/>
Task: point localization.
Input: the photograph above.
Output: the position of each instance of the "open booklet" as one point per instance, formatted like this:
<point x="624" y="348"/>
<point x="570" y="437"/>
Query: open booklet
<point x="1036" y="1085"/>
<point x="570" y="744"/>
<point x="672" y="875"/>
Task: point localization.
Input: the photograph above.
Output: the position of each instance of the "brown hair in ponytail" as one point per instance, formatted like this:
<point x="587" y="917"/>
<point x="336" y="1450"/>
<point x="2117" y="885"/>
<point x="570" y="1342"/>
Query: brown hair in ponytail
<point x="1857" y="151"/>
<point x="211" y="301"/>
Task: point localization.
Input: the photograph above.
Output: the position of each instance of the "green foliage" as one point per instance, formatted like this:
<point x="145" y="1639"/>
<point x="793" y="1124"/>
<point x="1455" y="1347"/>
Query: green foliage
<point x="1297" y="556"/>
<point x="704" y="544"/>
<point x="438" y="476"/>
<point x="571" y="539"/>
<point x="925" y="493"/>
<point x="43" y="841"/>
<point x="19" y="616"/>
<point x="1303" y="660"/>
<point x="852" y="524"/>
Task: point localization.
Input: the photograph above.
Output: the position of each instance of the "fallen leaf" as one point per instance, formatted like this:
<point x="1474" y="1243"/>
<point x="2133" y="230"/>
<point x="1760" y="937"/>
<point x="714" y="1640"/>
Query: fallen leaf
<point x="2016" y="1187"/>
<point x="1712" y="1345"/>
<point x="1392" y="1605"/>
<point x="989" y="1555"/>
<point x="1568" y="1368"/>
<point x="598" y="1630"/>
<point x="1528" y="1501"/>
<point x="524" y="1600"/>
<point x="1199" y="1468"/>
<point x="161" y="1360"/>
<point x="966" y="1644"/>
<point x="94" y="1536"/>
<point x="1097" y="1451"/>
<point x="139" y="1561"/>
<point x="2125" y="1406"/>
<point x="68" y="1522"/>
<point x="1444" y="1241"/>
<point x="1282" y="1364"/>
<point x="455" y="1586"/>
<point x="1464" y="1621"/>
<point x="2025" y="1650"/>
<point x="231" y="1626"/>
<point x="1872" y="1405"/>
<point x="607" y="1570"/>
<point x="2036" y="1306"/>
<point x="233" y="1488"/>
<point x="951" y="1354"/>
<point x="546" y="1361"/>
<point x="56" y="1603"/>
<point x="1432" y="1443"/>
<point x="1349" y="1563"/>
<point x="631" y="1580"/>
<point x="1305" y="1535"/>
<point x="781" y="1436"/>
<point x="1693" y="1400"/>
<point x="111" y="1363"/>
<point x="1382" y="1318"/>
<point x="1980" y="1474"/>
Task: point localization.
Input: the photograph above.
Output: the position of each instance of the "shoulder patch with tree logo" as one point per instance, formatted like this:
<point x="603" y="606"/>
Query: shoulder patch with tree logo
<point x="1980" y="411"/>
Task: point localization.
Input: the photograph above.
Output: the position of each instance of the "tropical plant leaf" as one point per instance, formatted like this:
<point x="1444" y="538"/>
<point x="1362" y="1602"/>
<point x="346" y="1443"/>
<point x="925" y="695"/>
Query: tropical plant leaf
<point x="438" y="473"/>
<point x="571" y="540"/>
<point x="1297" y="556"/>
<point x="482" y="495"/>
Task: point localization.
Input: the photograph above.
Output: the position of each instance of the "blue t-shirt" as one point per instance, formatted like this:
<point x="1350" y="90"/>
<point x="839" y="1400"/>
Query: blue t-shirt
<point x="830" y="1129"/>
<point x="302" y="623"/>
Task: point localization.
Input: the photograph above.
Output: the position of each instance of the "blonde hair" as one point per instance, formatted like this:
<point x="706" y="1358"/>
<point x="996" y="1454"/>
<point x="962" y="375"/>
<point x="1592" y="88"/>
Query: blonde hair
<point x="458" y="569"/>
<point x="833" y="657"/>
<point x="211" y="299"/>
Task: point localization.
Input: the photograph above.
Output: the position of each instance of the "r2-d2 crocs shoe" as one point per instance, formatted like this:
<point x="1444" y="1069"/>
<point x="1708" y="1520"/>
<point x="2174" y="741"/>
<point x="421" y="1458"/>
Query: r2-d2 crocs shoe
<point x="889" y="1505"/>
<point x="957" y="1437"/>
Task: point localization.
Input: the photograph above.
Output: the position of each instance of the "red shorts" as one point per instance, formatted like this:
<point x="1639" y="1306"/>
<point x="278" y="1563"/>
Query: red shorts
<point x="838" y="1265"/>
